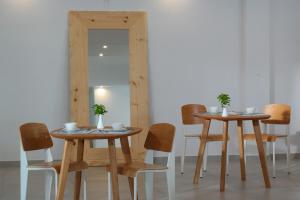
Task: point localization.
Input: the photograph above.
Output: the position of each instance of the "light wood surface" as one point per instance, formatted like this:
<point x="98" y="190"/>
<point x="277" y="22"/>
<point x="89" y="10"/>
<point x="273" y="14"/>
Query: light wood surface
<point x="212" y="137"/>
<point x="35" y="136"/>
<point x="280" y="114"/>
<point x="66" y="158"/>
<point x="240" y="132"/>
<point x="187" y="113"/>
<point x="113" y="168"/>
<point x="203" y="141"/>
<point x="231" y="117"/>
<point x="261" y="153"/>
<point x="160" y="142"/>
<point x="258" y="136"/>
<point x="136" y="23"/>
<point x="224" y="156"/>
<point x="265" y="137"/>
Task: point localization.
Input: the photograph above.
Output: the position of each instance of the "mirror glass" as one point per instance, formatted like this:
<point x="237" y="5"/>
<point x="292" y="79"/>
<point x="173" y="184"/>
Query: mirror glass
<point x="108" y="54"/>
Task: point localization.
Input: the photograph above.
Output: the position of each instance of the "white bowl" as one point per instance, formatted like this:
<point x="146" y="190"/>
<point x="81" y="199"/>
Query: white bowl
<point x="70" y="126"/>
<point x="213" y="109"/>
<point x="250" y="110"/>
<point x="117" y="126"/>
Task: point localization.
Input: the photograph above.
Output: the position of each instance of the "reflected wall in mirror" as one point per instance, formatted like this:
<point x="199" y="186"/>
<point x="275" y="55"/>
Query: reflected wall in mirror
<point x="92" y="66"/>
<point x="109" y="77"/>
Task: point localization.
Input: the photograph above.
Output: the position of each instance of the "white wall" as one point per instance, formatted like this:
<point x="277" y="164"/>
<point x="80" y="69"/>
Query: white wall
<point x="285" y="52"/>
<point x="197" y="49"/>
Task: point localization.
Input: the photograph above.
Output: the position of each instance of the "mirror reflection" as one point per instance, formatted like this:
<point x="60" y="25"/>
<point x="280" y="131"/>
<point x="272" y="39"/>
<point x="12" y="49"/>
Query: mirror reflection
<point x="108" y="54"/>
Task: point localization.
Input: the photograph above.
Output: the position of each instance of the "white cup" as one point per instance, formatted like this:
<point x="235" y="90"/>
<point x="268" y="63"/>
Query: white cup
<point x="117" y="126"/>
<point x="213" y="109"/>
<point x="250" y="110"/>
<point x="70" y="126"/>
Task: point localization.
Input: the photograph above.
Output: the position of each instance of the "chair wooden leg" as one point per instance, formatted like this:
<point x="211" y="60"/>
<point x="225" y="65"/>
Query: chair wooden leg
<point x="183" y="155"/>
<point x="224" y="156"/>
<point x="24" y="183"/>
<point x="274" y="161"/>
<point x="261" y="153"/>
<point x="201" y="151"/>
<point x="48" y="184"/>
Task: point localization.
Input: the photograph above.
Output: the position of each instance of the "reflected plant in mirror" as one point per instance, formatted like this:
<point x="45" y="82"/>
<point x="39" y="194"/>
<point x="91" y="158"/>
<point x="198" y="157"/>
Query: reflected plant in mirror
<point x="99" y="110"/>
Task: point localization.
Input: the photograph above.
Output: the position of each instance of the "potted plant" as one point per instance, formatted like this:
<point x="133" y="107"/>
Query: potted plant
<point x="224" y="100"/>
<point x="99" y="110"/>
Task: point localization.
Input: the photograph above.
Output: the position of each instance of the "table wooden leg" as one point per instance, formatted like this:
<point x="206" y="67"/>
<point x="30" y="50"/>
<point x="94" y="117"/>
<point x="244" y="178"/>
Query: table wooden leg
<point x="224" y="156"/>
<point x="201" y="150"/>
<point x="64" y="169"/>
<point x="240" y="132"/>
<point x="79" y="157"/>
<point x="261" y="152"/>
<point x="113" y="170"/>
<point x="127" y="155"/>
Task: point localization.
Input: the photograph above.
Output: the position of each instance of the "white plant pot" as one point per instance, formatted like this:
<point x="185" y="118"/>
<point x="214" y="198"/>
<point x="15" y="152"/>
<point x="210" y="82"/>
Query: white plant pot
<point x="224" y="113"/>
<point x="100" y="122"/>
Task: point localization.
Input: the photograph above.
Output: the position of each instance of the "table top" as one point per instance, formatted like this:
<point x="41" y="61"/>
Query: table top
<point x="59" y="133"/>
<point x="232" y="117"/>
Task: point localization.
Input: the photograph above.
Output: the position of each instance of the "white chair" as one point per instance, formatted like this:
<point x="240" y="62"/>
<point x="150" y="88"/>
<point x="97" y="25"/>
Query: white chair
<point x="35" y="136"/>
<point x="187" y="120"/>
<point x="160" y="138"/>
<point x="280" y="116"/>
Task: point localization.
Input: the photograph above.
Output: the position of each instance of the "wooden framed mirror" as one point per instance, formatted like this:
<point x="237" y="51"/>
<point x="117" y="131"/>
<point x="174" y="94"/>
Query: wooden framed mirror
<point x="84" y="24"/>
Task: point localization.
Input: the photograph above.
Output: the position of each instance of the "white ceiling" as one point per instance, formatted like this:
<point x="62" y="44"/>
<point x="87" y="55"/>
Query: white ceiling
<point x="113" y="67"/>
<point x="116" y="40"/>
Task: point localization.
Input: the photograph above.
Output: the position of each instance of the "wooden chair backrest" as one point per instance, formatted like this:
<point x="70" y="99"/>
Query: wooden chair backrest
<point x="187" y="113"/>
<point x="160" y="137"/>
<point x="35" y="136"/>
<point x="280" y="114"/>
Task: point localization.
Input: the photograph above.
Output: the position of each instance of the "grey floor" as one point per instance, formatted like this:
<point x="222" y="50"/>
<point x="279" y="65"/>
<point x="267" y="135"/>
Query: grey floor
<point x="284" y="187"/>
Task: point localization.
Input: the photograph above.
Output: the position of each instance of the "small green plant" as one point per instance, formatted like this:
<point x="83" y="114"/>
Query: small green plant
<point x="99" y="109"/>
<point x="224" y="100"/>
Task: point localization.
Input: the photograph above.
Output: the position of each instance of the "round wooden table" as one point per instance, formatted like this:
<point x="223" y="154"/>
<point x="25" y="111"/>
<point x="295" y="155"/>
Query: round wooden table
<point x="207" y="117"/>
<point x="70" y="141"/>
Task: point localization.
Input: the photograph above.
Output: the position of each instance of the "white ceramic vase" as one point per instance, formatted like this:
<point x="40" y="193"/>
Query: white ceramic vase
<point x="224" y="113"/>
<point x="100" y="122"/>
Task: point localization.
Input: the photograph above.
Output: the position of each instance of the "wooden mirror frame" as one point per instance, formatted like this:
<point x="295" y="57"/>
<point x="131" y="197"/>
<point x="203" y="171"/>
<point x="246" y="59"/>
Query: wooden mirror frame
<point x="136" y="24"/>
